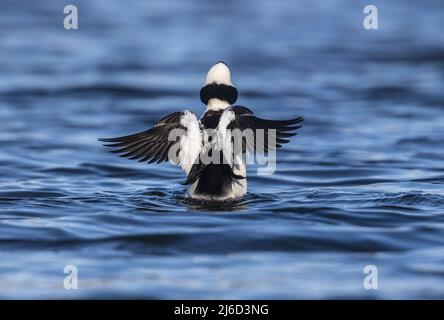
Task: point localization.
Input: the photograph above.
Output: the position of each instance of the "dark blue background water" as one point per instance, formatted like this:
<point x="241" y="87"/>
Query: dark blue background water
<point x="362" y="184"/>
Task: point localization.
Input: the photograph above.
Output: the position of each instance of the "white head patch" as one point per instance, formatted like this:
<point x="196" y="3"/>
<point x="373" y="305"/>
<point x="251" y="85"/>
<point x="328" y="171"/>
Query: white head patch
<point x="219" y="74"/>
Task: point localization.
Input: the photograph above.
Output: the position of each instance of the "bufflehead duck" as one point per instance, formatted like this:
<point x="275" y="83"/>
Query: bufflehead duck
<point x="203" y="147"/>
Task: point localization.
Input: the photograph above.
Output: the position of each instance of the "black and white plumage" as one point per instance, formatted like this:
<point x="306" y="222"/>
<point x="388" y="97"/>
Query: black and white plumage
<point x="216" y="180"/>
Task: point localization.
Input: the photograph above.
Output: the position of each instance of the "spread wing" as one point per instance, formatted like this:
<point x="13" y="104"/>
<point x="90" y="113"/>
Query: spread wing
<point x="176" y="137"/>
<point x="280" y="130"/>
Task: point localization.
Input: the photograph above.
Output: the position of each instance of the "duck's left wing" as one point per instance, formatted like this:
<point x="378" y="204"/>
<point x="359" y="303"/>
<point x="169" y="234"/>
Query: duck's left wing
<point x="176" y="137"/>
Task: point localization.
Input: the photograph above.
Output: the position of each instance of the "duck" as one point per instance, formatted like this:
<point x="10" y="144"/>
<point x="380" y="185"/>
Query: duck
<point x="213" y="150"/>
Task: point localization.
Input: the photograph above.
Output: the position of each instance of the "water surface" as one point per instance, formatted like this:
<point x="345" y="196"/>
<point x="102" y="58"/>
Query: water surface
<point x="361" y="184"/>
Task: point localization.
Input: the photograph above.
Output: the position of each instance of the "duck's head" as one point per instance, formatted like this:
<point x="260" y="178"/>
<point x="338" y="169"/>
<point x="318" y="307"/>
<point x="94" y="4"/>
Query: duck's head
<point x="218" y="93"/>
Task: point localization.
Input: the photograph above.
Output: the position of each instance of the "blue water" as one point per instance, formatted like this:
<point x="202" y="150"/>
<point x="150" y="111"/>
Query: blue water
<point x="361" y="185"/>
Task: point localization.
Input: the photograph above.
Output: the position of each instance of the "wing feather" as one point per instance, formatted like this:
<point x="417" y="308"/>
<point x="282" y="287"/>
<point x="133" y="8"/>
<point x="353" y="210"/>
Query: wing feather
<point x="152" y="145"/>
<point x="245" y="119"/>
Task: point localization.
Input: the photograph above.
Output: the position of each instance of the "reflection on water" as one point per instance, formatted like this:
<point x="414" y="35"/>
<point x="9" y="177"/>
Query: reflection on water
<point x="361" y="184"/>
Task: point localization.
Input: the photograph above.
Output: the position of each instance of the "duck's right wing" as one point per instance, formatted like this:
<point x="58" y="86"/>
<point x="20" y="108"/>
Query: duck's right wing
<point x="176" y="137"/>
<point x="267" y="134"/>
